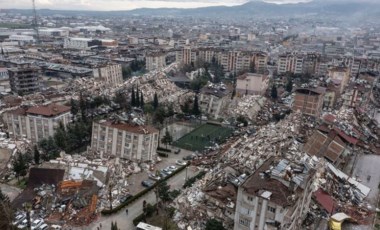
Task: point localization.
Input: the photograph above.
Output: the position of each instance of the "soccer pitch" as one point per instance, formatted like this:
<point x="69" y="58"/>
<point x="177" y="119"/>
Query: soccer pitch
<point x="202" y="137"/>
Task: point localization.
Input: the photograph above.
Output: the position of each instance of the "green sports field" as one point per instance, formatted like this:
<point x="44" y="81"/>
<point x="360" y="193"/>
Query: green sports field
<point x="202" y="137"/>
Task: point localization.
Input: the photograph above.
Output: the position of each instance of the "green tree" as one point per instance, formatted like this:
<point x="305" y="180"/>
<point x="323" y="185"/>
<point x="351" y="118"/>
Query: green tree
<point x="49" y="149"/>
<point x="155" y="101"/>
<point x="163" y="191"/>
<point x="213" y="224"/>
<point x="20" y="166"/>
<point x="137" y="97"/>
<point x="142" y="104"/>
<point x="6" y="212"/>
<point x="36" y="155"/>
<point x="196" y="111"/>
<point x="133" y="98"/>
<point x="74" y="107"/>
<point x="114" y="226"/>
<point x="242" y="119"/>
<point x="159" y="115"/>
<point x="186" y="108"/>
<point x="120" y="99"/>
<point x="83" y="106"/>
<point x="167" y="138"/>
<point x="274" y="92"/>
<point x="289" y="85"/>
<point x="60" y="137"/>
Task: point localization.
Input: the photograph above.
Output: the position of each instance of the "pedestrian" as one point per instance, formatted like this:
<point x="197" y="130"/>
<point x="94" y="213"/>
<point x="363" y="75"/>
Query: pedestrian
<point x="126" y="211"/>
<point x="100" y="225"/>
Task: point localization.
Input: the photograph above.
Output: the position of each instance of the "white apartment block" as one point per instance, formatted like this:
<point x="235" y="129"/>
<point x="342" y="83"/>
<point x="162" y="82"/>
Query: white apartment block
<point x="36" y="123"/>
<point x="77" y="43"/>
<point x="111" y="75"/>
<point x="155" y="61"/>
<point x="270" y="199"/>
<point x="5" y="86"/>
<point x="128" y="141"/>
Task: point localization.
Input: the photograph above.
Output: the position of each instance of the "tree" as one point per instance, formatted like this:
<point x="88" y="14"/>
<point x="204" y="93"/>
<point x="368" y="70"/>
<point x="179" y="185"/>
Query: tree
<point x="196" y="111"/>
<point x="274" y="92"/>
<point x="213" y="224"/>
<point x="163" y="191"/>
<point x="74" y="107"/>
<point x="137" y="97"/>
<point x="289" y="85"/>
<point x="233" y="93"/>
<point x="242" y="119"/>
<point x="36" y="155"/>
<point x="159" y="115"/>
<point x="155" y="101"/>
<point x="186" y="108"/>
<point x="167" y="138"/>
<point x="142" y="100"/>
<point x="49" y="149"/>
<point x="83" y="106"/>
<point x="6" y="212"/>
<point x="114" y="226"/>
<point x="60" y="137"/>
<point x="133" y="98"/>
<point x="120" y="99"/>
<point x="20" y="166"/>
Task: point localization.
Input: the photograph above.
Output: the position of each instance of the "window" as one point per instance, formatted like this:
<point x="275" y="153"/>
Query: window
<point x="244" y="222"/>
<point x="250" y="198"/>
<point x="271" y="209"/>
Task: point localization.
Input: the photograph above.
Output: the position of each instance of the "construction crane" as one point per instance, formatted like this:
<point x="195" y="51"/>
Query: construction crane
<point x="35" y="22"/>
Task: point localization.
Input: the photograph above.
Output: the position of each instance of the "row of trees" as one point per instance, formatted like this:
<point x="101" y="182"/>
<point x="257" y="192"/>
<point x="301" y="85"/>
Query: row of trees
<point x="194" y="110"/>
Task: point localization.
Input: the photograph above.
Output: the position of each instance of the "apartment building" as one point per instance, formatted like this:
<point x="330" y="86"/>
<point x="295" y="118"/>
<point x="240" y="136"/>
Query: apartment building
<point x="289" y="62"/>
<point x="309" y="101"/>
<point x="340" y="75"/>
<point x="24" y="80"/>
<point x="155" y="60"/>
<point x="186" y="56"/>
<point x="5" y="86"/>
<point x="37" y="122"/>
<point x="276" y="196"/>
<point x="213" y="99"/>
<point x="111" y="74"/>
<point x="252" y="84"/>
<point x="87" y="43"/>
<point x="124" y="140"/>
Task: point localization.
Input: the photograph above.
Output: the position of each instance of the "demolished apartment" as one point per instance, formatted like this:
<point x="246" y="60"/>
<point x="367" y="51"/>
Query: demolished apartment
<point x="277" y="195"/>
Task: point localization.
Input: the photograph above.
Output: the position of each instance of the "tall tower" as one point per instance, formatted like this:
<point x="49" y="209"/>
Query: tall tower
<point x="35" y="22"/>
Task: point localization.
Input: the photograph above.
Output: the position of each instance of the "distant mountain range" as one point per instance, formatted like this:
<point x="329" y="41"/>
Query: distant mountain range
<point x="352" y="10"/>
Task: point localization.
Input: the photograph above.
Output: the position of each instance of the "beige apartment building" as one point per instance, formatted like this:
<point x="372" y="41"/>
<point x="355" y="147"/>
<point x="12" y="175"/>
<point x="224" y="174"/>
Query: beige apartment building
<point x="155" y="60"/>
<point x="274" y="197"/>
<point x="36" y="123"/>
<point x="124" y="140"/>
<point x="309" y="101"/>
<point x="340" y="76"/>
<point x="186" y="56"/>
<point x="252" y="84"/>
<point x="111" y="75"/>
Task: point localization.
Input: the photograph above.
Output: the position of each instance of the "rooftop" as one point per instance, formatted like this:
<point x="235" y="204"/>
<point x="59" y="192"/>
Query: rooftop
<point x="139" y="129"/>
<point x="50" y="110"/>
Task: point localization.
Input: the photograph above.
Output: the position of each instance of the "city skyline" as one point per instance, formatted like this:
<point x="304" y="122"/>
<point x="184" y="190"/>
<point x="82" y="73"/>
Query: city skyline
<point x="127" y="4"/>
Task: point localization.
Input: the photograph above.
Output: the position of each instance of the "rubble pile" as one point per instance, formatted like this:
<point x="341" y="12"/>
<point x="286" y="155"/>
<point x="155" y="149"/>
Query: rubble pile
<point x="247" y="106"/>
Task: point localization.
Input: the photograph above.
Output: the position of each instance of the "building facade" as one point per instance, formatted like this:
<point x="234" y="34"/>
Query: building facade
<point x="24" y="80"/>
<point x="111" y="75"/>
<point x="272" y="198"/>
<point x="252" y="84"/>
<point x="155" y="60"/>
<point x="128" y="141"/>
<point x="36" y="123"/>
<point x="309" y="101"/>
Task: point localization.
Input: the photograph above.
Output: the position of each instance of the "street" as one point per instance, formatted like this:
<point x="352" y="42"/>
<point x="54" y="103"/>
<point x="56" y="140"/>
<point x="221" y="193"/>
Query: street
<point x="124" y="222"/>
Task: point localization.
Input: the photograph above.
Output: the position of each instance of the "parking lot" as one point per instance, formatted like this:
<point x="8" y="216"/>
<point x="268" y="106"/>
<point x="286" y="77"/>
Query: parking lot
<point x="135" y="180"/>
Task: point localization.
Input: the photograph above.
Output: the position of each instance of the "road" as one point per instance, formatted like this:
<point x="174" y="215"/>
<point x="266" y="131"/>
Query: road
<point x="124" y="222"/>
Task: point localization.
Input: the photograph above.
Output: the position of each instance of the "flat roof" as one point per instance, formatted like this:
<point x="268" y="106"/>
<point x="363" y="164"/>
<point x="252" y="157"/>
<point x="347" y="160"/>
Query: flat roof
<point x="139" y="129"/>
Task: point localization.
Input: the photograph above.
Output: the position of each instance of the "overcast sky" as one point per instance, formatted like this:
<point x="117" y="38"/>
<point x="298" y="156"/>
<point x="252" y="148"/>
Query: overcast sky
<point x="122" y="4"/>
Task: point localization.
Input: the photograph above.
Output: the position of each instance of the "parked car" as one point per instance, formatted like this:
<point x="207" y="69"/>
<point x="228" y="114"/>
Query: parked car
<point x="125" y="198"/>
<point x="19" y="218"/>
<point x="56" y="227"/>
<point x="188" y="158"/>
<point x="172" y="168"/>
<point x="167" y="171"/>
<point x="23" y="224"/>
<point x="163" y="174"/>
<point x="177" y="151"/>
<point x="37" y="223"/>
<point x="43" y="227"/>
<point x="154" y="176"/>
<point x="180" y="162"/>
<point x="147" y="183"/>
